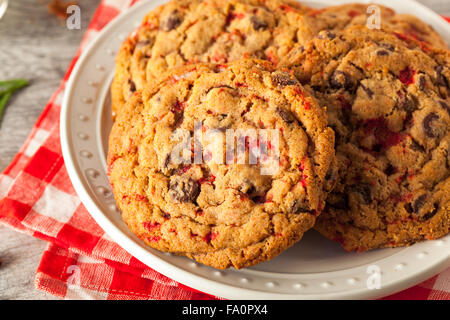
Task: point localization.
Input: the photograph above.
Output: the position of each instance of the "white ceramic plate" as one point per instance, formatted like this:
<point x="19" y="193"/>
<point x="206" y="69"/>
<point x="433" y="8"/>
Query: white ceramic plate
<point x="315" y="268"/>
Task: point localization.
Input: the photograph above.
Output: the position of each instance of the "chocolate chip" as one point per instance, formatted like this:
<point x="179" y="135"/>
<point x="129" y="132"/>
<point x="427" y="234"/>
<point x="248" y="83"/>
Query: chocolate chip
<point x="331" y="173"/>
<point x="142" y="44"/>
<point x="337" y="135"/>
<point x="258" y="199"/>
<point x="283" y="79"/>
<point x="340" y="79"/>
<point x="377" y="148"/>
<point x="257" y="23"/>
<point x="407" y="103"/>
<point x="382" y="53"/>
<point x="416" y="147"/>
<point x="429" y="127"/>
<point x="431" y="214"/>
<point x="286" y="115"/>
<point x="183" y="189"/>
<point x="339" y="201"/>
<point x="408" y="208"/>
<point x="331" y="178"/>
<point x="420" y="201"/>
<point x="441" y="79"/>
<point x="326" y="35"/>
<point x="299" y="207"/>
<point x="356" y="67"/>
<point x="390" y="170"/>
<point x="418" y="204"/>
<point x="165" y="215"/>
<point x="178" y="120"/>
<point x="167" y="161"/>
<point x="448" y="156"/>
<point x="247" y="187"/>
<point x="422" y="82"/>
<point x="171" y="22"/>
<point x="368" y="91"/>
<point x="132" y="85"/>
<point x="364" y="191"/>
<point x="444" y="106"/>
<point x="388" y="46"/>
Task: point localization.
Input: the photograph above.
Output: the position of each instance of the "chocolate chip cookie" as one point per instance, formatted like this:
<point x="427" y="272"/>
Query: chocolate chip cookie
<point x="390" y="107"/>
<point x="336" y="18"/>
<point x="217" y="31"/>
<point x="217" y="209"/>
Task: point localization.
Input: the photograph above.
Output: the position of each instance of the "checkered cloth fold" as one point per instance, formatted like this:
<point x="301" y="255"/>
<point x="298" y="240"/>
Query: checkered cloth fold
<point x="81" y="261"/>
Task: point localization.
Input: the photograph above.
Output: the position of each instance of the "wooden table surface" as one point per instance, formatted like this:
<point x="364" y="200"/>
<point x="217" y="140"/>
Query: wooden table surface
<point x="37" y="46"/>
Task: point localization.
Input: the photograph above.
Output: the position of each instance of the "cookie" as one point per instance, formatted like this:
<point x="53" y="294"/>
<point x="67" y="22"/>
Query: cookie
<point x="214" y="31"/>
<point x="390" y="107"/>
<point x="229" y="213"/>
<point x="337" y="18"/>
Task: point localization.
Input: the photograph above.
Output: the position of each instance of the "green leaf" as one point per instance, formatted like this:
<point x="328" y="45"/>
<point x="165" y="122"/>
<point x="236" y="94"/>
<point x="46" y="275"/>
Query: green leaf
<point x="7" y="89"/>
<point x="3" y="100"/>
<point x="12" y="85"/>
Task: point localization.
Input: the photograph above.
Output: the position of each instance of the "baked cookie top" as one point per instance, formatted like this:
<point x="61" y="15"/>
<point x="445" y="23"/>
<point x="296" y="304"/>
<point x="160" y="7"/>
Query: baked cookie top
<point x="231" y="213"/>
<point x="216" y="31"/>
<point x="389" y="105"/>
<point x="337" y="18"/>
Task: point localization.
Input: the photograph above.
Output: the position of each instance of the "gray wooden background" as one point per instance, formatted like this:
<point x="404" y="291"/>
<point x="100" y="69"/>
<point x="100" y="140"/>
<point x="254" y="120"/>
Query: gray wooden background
<point x="37" y="46"/>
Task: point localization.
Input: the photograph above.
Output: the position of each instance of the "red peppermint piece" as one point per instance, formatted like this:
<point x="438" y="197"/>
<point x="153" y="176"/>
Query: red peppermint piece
<point x="210" y="236"/>
<point x="314" y="13"/>
<point x="234" y="15"/>
<point x="272" y="58"/>
<point x="303" y="178"/>
<point x="287" y="8"/>
<point x="153" y="238"/>
<point x="406" y="76"/>
<point x="384" y="137"/>
<point x="184" y="169"/>
<point x="307" y="105"/>
<point x="278" y="235"/>
<point x="151" y="226"/>
<point x="209" y="179"/>
<point x="220" y="58"/>
<point x="353" y="13"/>
<point x="178" y="107"/>
<point x="140" y="197"/>
<point x="111" y="163"/>
<point x="193" y="235"/>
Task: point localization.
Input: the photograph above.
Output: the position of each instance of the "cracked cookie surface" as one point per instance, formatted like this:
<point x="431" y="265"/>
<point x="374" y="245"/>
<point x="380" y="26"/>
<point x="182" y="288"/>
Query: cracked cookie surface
<point x="228" y="214"/>
<point x="214" y="31"/>
<point x="390" y="107"/>
<point x="336" y="18"/>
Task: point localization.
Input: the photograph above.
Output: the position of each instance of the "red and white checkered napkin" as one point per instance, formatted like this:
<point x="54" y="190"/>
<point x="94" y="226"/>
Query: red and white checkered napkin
<point x="81" y="261"/>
